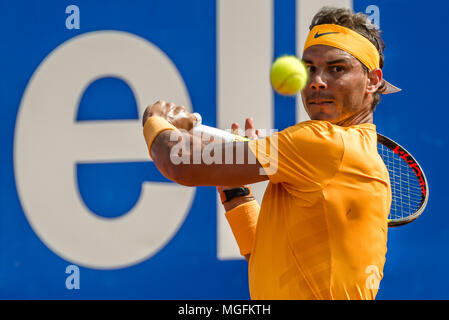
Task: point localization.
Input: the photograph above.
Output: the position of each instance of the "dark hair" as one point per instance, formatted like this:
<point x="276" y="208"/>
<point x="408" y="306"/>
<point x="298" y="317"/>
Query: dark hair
<point x="359" y="23"/>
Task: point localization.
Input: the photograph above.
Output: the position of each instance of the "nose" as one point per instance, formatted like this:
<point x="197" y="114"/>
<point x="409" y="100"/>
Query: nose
<point x="317" y="82"/>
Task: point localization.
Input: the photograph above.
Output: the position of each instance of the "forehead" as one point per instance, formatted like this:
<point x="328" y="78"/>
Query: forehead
<point x="323" y="54"/>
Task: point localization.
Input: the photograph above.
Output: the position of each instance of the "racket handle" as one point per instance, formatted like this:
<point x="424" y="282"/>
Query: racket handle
<point x="226" y="136"/>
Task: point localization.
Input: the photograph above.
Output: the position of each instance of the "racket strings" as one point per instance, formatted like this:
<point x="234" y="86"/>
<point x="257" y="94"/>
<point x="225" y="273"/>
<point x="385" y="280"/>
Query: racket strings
<point x="405" y="189"/>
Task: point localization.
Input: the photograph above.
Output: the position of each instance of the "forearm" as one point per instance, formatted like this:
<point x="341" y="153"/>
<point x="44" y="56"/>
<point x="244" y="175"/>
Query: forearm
<point x="169" y="147"/>
<point x="161" y="153"/>
<point x="187" y="160"/>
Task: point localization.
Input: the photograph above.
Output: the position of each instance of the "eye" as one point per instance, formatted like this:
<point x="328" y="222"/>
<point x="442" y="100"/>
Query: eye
<point x="311" y="69"/>
<point x="337" y="68"/>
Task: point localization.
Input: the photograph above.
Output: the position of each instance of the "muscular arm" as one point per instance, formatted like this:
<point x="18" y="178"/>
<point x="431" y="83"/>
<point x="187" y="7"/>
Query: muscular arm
<point x="224" y="170"/>
<point x="246" y="170"/>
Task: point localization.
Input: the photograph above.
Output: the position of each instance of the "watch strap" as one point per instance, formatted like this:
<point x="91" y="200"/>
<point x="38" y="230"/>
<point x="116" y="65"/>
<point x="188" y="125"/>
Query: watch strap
<point x="227" y="195"/>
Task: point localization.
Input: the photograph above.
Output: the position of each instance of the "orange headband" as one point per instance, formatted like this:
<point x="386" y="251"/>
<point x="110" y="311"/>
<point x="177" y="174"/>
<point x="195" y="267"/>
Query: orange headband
<point x="345" y="39"/>
<point x="350" y="41"/>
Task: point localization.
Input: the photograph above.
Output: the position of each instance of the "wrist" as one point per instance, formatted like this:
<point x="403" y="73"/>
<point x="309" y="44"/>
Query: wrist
<point x="231" y="198"/>
<point x="231" y="204"/>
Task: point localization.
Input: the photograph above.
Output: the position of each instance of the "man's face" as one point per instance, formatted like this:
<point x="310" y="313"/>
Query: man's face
<point x="336" y="89"/>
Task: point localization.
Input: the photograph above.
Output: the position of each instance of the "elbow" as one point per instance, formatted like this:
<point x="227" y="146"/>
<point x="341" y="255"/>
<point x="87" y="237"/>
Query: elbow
<point x="180" y="174"/>
<point x="184" y="176"/>
<point x="186" y="183"/>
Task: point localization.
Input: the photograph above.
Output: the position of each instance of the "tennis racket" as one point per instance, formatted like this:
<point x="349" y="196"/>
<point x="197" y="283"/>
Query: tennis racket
<point x="409" y="188"/>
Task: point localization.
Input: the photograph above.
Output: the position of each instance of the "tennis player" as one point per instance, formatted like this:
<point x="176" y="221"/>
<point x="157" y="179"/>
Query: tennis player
<point x="321" y="229"/>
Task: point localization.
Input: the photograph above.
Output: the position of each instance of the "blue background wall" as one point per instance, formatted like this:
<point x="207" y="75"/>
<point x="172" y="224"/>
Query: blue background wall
<point x="188" y="268"/>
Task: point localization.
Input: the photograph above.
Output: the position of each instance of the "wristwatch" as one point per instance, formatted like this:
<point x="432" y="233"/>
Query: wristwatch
<point x="227" y="195"/>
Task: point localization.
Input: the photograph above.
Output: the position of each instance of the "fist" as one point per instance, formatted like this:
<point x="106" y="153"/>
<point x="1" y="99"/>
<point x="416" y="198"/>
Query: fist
<point x="176" y="115"/>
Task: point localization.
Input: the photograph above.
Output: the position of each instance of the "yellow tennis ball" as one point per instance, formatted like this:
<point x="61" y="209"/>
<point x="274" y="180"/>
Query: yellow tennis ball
<point x="288" y="75"/>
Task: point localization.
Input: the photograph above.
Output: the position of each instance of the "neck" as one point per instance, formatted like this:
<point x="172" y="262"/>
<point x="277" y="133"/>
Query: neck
<point x="357" y="118"/>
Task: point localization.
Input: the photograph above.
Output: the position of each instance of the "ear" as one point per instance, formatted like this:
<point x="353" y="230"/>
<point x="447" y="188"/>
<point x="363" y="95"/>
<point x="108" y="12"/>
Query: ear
<point x="374" y="80"/>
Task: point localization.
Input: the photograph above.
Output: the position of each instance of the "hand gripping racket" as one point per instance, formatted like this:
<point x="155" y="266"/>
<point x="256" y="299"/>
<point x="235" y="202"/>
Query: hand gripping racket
<point x="409" y="188"/>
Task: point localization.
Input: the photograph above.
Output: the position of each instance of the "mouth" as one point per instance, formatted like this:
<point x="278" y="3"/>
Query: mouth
<point x="318" y="102"/>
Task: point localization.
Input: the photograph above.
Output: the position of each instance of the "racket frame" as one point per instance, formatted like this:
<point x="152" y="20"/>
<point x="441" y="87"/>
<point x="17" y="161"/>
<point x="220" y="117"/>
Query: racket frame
<point x="417" y="170"/>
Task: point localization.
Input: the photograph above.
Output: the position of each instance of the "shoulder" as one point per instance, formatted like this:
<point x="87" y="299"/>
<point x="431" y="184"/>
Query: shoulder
<point x="315" y="132"/>
<point x="316" y="126"/>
